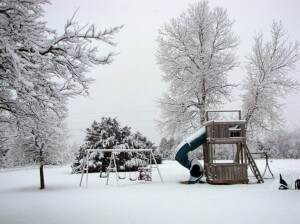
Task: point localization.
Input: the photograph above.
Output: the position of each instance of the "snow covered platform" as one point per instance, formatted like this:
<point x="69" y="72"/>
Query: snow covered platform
<point x="63" y="201"/>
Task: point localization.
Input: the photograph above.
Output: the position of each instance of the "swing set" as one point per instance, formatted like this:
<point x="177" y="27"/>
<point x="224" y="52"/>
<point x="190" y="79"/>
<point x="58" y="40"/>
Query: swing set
<point x="267" y="167"/>
<point x="135" y="166"/>
<point x="144" y="172"/>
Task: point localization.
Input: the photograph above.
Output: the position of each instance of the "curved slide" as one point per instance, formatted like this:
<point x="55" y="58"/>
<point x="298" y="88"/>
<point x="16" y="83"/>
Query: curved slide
<point x="188" y="145"/>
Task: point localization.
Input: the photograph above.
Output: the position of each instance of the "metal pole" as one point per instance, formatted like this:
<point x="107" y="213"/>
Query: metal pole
<point x="87" y="167"/>
<point x="117" y="175"/>
<point x="150" y="164"/>
<point x="157" y="167"/>
<point x="82" y="172"/>
<point x="109" y="168"/>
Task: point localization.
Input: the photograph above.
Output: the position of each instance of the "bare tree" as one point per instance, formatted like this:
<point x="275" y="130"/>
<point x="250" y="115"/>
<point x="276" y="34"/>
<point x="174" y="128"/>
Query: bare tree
<point x="39" y="142"/>
<point x="268" y="80"/>
<point x="40" y="69"/>
<point x="195" y="52"/>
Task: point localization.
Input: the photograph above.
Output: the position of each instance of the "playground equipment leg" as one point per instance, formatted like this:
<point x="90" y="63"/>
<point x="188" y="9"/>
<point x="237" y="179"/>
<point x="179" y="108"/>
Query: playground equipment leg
<point x="109" y="168"/>
<point x="152" y="156"/>
<point x="85" y="167"/>
<point x="112" y="160"/>
<point x="82" y="173"/>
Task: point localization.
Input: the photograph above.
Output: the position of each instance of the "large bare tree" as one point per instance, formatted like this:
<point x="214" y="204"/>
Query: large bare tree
<point x="41" y="69"/>
<point x="268" y="78"/>
<point x="195" y="53"/>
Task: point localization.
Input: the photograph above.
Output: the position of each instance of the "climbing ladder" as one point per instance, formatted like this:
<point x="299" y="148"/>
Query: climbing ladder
<point x="253" y="166"/>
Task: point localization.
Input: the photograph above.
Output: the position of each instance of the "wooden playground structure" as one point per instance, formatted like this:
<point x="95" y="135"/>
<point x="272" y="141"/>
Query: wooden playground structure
<point x="228" y="132"/>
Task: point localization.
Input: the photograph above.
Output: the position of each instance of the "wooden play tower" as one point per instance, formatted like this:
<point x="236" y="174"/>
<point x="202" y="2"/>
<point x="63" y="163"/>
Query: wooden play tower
<point x="225" y="132"/>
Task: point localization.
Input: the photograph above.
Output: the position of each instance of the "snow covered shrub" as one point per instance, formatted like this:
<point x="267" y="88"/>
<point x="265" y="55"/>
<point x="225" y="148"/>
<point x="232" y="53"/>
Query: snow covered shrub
<point x="95" y="161"/>
<point x="108" y="134"/>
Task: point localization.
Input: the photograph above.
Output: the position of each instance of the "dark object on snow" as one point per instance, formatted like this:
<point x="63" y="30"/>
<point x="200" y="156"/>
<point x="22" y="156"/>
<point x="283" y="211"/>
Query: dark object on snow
<point x="282" y="181"/>
<point x="297" y="184"/>
<point x="283" y="184"/>
<point x="195" y="171"/>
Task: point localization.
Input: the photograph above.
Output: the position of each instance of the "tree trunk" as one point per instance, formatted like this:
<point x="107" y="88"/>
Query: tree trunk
<point x="42" y="181"/>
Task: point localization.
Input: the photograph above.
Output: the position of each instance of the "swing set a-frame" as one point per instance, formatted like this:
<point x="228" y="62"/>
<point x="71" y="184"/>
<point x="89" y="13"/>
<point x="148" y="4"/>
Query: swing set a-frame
<point x="145" y="173"/>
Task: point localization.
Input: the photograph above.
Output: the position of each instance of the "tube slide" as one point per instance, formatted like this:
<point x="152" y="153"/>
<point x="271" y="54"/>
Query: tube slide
<point x="188" y="145"/>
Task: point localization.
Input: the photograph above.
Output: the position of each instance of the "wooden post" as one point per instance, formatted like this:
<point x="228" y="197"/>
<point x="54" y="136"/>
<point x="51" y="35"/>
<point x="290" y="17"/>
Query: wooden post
<point x="206" y="115"/>
<point x="242" y="153"/>
<point x="237" y="154"/>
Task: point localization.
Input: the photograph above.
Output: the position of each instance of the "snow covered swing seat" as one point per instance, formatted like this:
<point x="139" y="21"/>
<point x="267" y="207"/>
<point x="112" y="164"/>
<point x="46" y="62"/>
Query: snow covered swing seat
<point x="145" y="173"/>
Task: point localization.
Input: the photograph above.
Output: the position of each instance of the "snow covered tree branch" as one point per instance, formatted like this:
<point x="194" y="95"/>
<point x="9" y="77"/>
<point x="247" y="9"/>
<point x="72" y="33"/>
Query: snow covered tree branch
<point x="268" y="80"/>
<point x="196" y="51"/>
<point x="40" y="67"/>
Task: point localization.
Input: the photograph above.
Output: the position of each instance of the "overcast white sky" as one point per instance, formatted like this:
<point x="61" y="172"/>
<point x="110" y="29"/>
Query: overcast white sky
<point x="128" y="88"/>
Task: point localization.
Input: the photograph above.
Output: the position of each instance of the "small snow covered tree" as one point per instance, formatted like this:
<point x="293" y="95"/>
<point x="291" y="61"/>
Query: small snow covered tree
<point x="163" y="146"/>
<point x="166" y="147"/>
<point x="38" y="143"/>
<point x="195" y="53"/>
<point x="268" y="80"/>
<point x="41" y="69"/>
<point x="108" y="134"/>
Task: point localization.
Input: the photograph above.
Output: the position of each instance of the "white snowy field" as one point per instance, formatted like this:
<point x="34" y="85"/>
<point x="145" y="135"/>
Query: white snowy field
<point x="63" y="201"/>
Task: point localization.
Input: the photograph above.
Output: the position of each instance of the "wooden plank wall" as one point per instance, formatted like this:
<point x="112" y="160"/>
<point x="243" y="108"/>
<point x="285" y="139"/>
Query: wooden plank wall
<point x="227" y="173"/>
<point x="222" y="130"/>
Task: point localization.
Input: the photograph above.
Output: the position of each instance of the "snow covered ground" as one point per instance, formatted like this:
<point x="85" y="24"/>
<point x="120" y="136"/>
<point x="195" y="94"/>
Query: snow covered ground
<point x="63" y="201"/>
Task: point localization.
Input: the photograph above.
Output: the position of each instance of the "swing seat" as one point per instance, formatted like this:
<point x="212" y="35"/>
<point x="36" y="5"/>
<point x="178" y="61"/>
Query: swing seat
<point x="122" y="170"/>
<point x="144" y="174"/>
<point x="103" y="172"/>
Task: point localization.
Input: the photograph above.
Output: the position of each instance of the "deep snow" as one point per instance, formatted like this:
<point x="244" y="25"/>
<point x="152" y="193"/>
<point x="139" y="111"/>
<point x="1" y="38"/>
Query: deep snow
<point x="63" y="201"/>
